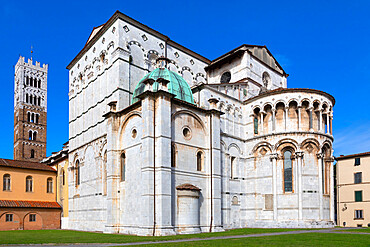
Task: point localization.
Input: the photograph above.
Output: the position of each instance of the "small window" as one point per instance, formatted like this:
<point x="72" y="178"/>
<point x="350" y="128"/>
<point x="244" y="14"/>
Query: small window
<point x="357" y="161"/>
<point x="34" y="136"/>
<point x="358" y="177"/>
<point x="32" y="153"/>
<point x="39" y="101"/>
<point x="359" y="225"/>
<point x="232" y="167"/>
<point x="173" y="155"/>
<point x="32" y="117"/>
<point x="64" y="177"/>
<point x="226" y="77"/>
<point x="37" y="118"/>
<point x="235" y="200"/>
<point x="39" y="85"/>
<point x="32" y="217"/>
<point x="255" y="125"/>
<point x="199" y="161"/>
<point x="9" y="217"/>
<point x="6" y="182"/>
<point x="31" y="82"/>
<point x="27" y="98"/>
<point x="30" y="135"/>
<point x="358" y="196"/>
<point x="77" y="173"/>
<point x="49" y="185"/>
<point x="359" y="214"/>
<point x="186" y="132"/>
<point x="123" y="167"/>
<point x="28" y="117"/>
<point x="29" y="184"/>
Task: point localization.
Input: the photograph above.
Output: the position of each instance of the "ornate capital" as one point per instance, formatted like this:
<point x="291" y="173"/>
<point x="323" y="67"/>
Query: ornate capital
<point x="320" y="155"/>
<point x="274" y="156"/>
<point x="299" y="155"/>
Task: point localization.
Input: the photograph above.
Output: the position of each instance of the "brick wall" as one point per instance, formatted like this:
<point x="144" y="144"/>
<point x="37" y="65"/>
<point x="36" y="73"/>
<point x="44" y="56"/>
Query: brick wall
<point x="45" y="219"/>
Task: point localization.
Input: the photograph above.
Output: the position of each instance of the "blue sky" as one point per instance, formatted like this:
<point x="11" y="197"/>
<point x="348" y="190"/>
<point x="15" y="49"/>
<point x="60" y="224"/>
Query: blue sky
<point x="322" y="45"/>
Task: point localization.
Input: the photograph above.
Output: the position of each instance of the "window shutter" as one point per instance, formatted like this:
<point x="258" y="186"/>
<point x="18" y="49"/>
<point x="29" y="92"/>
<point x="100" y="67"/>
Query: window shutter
<point x="358" y="196"/>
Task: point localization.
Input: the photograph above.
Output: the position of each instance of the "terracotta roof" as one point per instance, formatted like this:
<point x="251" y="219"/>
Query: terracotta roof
<point x="25" y="165"/>
<point x="27" y="204"/>
<point x="188" y="187"/>
<point x="342" y="157"/>
<point x="283" y="90"/>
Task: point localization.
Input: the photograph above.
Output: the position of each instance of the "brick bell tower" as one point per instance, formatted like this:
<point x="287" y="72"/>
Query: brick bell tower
<point x="30" y="108"/>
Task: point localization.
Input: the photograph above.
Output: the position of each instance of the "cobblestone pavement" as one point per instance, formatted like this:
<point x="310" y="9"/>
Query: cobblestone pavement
<point x="333" y="230"/>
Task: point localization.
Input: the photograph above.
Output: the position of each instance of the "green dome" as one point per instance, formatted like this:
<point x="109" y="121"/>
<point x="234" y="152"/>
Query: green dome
<point x="177" y="85"/>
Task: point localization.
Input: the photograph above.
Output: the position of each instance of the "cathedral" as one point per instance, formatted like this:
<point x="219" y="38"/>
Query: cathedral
<point x="164" y="141"/>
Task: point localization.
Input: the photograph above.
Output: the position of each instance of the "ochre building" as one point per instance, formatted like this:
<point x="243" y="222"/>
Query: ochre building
<point x="28" y="196"/>
<point x="353" y="190"/>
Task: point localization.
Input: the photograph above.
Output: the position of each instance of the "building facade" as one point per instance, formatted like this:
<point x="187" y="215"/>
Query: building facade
<point x="30" y="108"/>
<point x="164" y="141"/>
<point x="28" y="196"/>
<point x="59" y="162"/>
<point x="353" y="190"/>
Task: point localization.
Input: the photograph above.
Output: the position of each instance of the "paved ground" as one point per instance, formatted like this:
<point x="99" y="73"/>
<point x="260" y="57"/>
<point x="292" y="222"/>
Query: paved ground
<point x="332" y="230"/>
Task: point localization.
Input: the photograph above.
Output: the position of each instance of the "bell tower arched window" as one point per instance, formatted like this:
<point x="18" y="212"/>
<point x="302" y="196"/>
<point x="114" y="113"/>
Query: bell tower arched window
<point x="288" y="171"/>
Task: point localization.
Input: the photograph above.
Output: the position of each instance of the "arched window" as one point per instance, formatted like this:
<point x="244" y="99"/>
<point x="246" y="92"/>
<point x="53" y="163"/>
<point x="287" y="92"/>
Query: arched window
<point x="39" y="101"/>
<point x="200" y="161"/>
<point x="37" y="118"/>
<point x="31" y="82"/>
<point x="29" y="184"/>
<point x="34" y="100"/>
<point x="173" y="155"/>
<point x="288" y="171"/>
<point x="30" y="135"/>
<point x="255" y="125"/>
<point x="39" y="85"/>
<point x="27" y="98"/>
<point x="6" y="182"/>
<point x="77" y="169"/>
<point x="28" y="117"/>
<point x="32" y="117"/>
<point x="49" y="185"/>
<point x="32" y="153"/>
<point x="27" y="80"/>
<point x="123" y="167"/>
<point x="31" y="99"/>
<point x="35" y="82"/>
<point x="266" y="80"/>
<point x="34" y="136"/>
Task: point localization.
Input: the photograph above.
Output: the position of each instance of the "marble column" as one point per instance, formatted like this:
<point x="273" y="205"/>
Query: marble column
<point x="299" y="118"/>
<point x="299" y="156"/>
<point x="320" y="160"/>
<point x="273" y="158"/>
<point x="273" y="110"/>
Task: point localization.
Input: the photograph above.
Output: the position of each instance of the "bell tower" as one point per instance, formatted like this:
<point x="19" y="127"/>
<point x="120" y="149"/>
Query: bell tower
<point x="30" y="108"/>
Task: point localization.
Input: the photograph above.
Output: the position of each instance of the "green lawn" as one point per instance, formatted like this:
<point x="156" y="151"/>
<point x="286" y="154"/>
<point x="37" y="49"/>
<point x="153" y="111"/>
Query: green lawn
<point x="367" y="230"/>
<point x="304" y="239"/>
<point x="65" y="236"/>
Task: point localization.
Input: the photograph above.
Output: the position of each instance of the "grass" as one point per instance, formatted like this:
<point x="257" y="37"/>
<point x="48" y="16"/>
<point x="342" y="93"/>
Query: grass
<point x="303" y="239"/>
<point x="366" y="230"/>
<point x="66" y="236"/>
